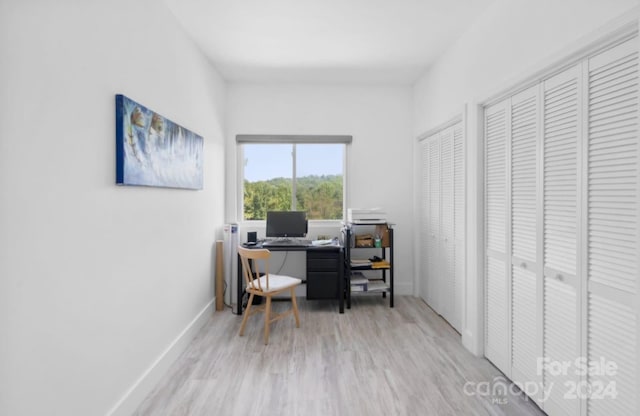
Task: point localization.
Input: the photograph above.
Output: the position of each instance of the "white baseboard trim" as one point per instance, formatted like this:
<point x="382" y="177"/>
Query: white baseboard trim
<point x="148" y="380"/>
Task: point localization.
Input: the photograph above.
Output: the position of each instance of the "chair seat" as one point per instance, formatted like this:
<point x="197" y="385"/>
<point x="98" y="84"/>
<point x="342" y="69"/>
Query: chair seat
<point x="276" y="282"/>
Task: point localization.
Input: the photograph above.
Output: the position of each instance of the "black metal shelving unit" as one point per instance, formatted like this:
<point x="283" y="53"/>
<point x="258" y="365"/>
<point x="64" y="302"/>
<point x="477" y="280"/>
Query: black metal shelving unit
<point x="385" y="251"/>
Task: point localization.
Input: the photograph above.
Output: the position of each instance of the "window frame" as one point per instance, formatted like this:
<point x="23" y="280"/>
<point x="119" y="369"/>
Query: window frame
<point x="242" y="140"/>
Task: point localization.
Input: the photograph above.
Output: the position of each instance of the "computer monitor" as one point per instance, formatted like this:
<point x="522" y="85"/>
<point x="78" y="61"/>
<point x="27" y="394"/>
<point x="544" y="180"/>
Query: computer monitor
<point x="286" y="224"/>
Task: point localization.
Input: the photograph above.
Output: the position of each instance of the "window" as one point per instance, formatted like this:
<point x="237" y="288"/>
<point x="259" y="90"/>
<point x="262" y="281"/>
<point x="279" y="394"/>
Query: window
<point x="292" y="175"/>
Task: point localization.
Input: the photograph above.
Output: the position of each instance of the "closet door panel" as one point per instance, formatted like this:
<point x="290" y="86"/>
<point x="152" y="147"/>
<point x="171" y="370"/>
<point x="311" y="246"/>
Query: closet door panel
<point x="497" y="338"/>
<point x="524" y="289"/>
<point x="497" y="317"/>
<point x="425" y="232"/>
<point x="612" y="204"/>
<point x="524" y="133"/>
<point x="561" y="218"/>
<point x="442" y="207"/>
<point x="447" y="242"/>
<point x="560" y="345"/>
<point x="613" y="169"/>
<point x="524" y="318"/>
<point x="459" y="222"/>
<point x="612" y="336"/>
<point x="433" y="245"/>
<point x="561" y="173"/>
<point x="495" y="178"/>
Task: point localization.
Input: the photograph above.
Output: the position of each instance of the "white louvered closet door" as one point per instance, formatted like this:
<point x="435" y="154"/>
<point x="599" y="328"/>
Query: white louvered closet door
<point x="612" y="202"/>
<point x="442" y="221"/>
<point x="459" y="223"/>
<point x="562" y="235"/>
<point x="433" y="245"/>
<point x="447" y="238"/>
<point x="497" y="328"/>
<point x="425" y="234"/>
<point x="526" y="334"/>
<point x="561" y="218"/>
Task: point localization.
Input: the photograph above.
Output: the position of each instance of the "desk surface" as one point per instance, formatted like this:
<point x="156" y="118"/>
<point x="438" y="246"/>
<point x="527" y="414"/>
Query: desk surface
<point x="295" y="247"/>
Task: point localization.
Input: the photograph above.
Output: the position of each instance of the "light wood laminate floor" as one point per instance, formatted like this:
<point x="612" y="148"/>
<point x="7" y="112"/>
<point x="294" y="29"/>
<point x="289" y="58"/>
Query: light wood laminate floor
<point x="372" y="360"/>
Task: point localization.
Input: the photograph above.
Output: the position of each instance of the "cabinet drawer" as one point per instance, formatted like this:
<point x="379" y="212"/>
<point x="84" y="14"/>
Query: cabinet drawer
<point x="322" y="285"/>
<point x="321" y="261"/>
<point x="323" y="254"/>
<point x="322" y="265"/>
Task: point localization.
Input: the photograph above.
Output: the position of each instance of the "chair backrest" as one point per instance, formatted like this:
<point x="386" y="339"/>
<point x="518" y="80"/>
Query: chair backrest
<point x="252" y="259"/>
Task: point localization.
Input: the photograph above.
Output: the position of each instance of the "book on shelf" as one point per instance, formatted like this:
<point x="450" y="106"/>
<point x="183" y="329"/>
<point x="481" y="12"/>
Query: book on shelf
<point x="382" y="264"/>
<point x="359" y="287"/>
<point x="362" y="263"/>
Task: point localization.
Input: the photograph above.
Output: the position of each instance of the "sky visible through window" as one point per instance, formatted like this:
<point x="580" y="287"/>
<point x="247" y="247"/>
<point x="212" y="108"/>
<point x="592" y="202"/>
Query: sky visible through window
<point x="268" y="161"/>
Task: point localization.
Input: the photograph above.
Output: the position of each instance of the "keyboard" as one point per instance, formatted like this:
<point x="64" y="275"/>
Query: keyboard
<point x="286" y="243"/>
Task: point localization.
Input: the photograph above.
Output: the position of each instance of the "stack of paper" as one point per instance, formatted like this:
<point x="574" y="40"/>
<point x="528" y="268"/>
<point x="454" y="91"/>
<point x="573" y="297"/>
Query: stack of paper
<point x="318" y="243"/>
<point x="376" y="286"/>
<point x="358" y="282"/>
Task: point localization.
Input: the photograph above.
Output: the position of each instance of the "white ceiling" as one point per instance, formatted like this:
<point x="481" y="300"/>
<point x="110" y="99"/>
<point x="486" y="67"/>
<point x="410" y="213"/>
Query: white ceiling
<point x="337" y="41"/>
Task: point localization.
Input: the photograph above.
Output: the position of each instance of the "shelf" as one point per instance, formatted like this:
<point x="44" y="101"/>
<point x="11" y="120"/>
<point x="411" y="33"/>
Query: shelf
<point x="371" y="286"/>
<point x="379" y="274"/>
<point x="361" y="268"/>
<point x="370" y="230"/>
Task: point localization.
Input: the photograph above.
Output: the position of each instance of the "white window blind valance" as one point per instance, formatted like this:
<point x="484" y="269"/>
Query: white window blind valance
<point x="293" y="138"/>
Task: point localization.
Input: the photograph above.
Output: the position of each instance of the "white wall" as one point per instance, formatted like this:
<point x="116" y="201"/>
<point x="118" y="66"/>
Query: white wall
<point x="510" y="41"/>
<point x="379" y="167"/>
<point x="96" y="280"/>
<point x="502" y="47"/>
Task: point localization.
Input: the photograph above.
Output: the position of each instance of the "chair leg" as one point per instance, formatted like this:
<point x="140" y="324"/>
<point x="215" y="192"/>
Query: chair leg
<point x="267" y="317"/>
<point x="295" y="306"/>
<point x="246" y="314"/>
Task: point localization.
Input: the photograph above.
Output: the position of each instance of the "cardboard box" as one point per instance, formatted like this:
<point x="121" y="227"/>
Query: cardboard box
<point x="364" y="240"/>
<point x="382" y="230"/>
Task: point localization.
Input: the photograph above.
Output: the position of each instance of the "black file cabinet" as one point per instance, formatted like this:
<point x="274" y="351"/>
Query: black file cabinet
<point x="324" y="274"/>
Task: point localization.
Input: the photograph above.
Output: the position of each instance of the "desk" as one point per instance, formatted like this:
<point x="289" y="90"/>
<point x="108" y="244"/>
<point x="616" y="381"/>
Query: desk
<point x="325" y="273"/>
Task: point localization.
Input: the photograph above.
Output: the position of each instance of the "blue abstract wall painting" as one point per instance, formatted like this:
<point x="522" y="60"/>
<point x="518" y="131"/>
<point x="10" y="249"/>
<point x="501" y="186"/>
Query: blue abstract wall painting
<point x="154" y="151"/>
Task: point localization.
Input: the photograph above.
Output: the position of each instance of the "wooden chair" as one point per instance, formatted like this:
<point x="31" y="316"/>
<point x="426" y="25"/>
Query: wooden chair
<point x="259" y="282"/>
